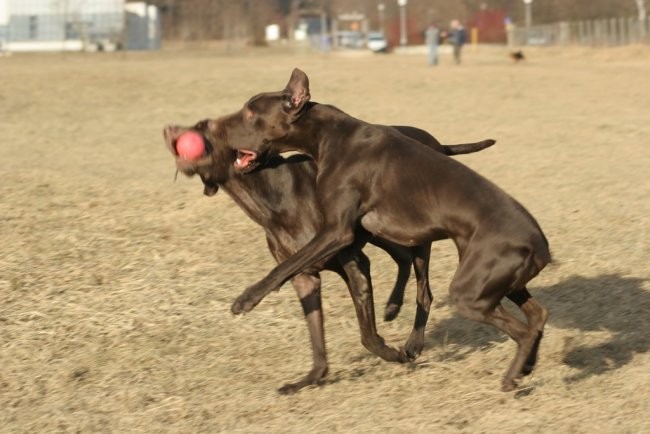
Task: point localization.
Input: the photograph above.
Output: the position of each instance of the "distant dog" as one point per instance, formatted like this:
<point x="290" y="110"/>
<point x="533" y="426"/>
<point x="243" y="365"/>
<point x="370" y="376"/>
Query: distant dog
<point x="517" y="56"/>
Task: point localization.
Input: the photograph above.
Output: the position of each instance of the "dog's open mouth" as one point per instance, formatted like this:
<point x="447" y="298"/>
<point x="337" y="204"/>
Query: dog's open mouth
<point x="187" y="166"/>
<point x="245" y="159"/>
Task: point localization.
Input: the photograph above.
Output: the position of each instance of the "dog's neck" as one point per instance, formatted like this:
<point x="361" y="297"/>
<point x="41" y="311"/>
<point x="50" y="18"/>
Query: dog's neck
<point x="307" y="132"/>
<point x="239" y="189"/>
<point x="261" y="193"/>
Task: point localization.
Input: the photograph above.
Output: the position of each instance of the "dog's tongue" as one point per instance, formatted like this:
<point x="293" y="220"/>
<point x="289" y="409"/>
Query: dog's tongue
<point x="244" y="158"/>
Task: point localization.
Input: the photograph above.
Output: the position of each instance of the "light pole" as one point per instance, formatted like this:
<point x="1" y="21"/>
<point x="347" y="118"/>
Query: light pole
<point x="640" y="5"/>
<point x="528" y="5"/>
<point x="380" y="10"/>
<point x="403" y="38"/>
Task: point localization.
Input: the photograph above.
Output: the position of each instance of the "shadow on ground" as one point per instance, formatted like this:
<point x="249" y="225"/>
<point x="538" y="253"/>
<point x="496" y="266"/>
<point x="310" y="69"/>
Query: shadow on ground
<point x="607" y="303"/>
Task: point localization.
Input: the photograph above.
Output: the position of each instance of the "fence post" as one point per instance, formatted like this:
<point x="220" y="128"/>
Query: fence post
<point x="607" y="25"/>
<point x="564" y="33"/>
<point x="622" y="31"/>
<point x="554" y="33"/>
<point x="625" y="31"/>
<point x="632" y="29"/>
<point x="603" y="32"/>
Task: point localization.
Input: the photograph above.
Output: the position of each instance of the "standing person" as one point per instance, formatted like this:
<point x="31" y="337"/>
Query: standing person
<point x="432" y="37"/>
<point x="458" y="36"/>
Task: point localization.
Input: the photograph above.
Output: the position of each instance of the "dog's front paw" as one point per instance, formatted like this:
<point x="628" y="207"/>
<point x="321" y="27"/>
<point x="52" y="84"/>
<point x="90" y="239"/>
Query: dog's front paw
<point x="244" y="303"/>
<point x="251" y="297"/>
<point x="240" y="306"/>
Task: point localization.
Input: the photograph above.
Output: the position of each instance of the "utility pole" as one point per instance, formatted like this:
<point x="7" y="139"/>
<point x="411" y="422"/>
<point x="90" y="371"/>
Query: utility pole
<point x="640" y="5"/>
<point x="403" y="35"/>
<point x="380" y="10"/>
<point x="528" y="5"/>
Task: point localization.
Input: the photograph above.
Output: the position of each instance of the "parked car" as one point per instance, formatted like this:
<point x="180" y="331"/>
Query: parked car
<point x="377" y="42"/>
<point x="350" y="39"/>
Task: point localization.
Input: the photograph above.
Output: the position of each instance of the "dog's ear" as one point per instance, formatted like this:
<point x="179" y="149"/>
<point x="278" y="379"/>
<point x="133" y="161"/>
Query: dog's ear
<point x="297" y="91"/>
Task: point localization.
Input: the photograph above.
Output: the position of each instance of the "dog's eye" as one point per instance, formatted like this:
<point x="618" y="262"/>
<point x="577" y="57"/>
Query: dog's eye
<point x="286" y="104"/>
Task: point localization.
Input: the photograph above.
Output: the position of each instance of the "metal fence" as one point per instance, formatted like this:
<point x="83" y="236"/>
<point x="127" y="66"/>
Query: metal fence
<point x="603" y="32"/>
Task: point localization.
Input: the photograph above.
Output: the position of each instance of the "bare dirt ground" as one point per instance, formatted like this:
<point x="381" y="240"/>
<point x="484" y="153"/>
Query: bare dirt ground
<point x="116" y="282"/>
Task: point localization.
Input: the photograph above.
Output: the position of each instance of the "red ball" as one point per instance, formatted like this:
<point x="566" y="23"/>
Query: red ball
<point x="190" y="145"/>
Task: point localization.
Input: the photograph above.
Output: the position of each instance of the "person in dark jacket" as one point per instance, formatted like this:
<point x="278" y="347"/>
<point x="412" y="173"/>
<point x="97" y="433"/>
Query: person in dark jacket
<point x="457" y="36"/>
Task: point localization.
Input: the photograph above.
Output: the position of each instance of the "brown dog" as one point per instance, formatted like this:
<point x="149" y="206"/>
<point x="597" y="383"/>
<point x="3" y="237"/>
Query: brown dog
<point x="395" y="187"/>
<point x="517" y="56"/>
<point x="281" y="197"/>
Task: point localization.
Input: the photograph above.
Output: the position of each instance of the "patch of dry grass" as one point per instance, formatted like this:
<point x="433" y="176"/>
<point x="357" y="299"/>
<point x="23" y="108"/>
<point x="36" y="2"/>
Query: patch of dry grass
<point x="116" y="283"/>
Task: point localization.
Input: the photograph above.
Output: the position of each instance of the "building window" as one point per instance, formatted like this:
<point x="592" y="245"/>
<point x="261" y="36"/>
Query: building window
<point x="71" y="31"/>
<point x="33" y="27"/>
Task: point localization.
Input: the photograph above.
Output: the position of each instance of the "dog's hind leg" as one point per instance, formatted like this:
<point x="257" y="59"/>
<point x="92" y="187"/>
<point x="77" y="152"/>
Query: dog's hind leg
<point x="480" y="283"/>
<point x="308" y="287"/>
<point x="415" y="342"/>
<point x="403" y="258"/>
<point x="536" y="315"/>
<point x="527" y="342"/>
<point x="357" y="277"/>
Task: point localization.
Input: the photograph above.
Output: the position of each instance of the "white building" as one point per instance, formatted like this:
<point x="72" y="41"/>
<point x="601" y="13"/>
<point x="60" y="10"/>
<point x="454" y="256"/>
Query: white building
<point x="56" y="25"/>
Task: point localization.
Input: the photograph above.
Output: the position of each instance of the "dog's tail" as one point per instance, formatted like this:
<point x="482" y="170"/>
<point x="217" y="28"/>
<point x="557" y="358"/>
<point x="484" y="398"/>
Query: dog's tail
<point x="467" y="148"/>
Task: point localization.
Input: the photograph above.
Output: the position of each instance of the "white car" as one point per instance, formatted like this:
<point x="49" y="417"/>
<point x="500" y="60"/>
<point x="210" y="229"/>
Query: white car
<point x="377" y="42"/>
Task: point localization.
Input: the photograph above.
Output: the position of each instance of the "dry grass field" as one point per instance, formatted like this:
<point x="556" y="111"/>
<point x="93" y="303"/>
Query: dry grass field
<point x="116" y="282"/>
